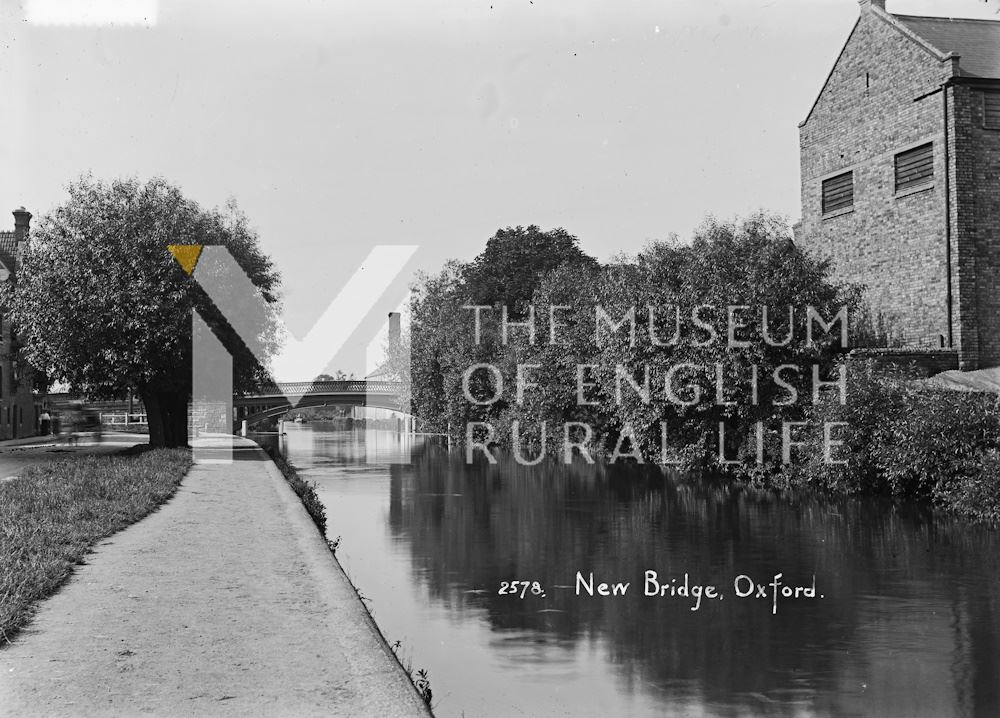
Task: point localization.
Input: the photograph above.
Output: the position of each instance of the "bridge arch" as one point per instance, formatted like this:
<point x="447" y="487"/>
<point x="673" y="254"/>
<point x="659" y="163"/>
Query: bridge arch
<point x="275" y="400"/>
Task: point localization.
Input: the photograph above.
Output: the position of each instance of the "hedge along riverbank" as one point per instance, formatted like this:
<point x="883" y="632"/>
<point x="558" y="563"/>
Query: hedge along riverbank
<point x="53" y="514"/>
<point x="905" y="440"/>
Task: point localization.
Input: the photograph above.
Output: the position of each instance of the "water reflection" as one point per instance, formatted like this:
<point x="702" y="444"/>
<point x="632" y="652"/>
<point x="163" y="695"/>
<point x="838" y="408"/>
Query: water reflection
<point x="907" y="625"/>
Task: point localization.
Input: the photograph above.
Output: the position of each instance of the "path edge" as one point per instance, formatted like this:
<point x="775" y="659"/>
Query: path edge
<point x="323" y="562"/>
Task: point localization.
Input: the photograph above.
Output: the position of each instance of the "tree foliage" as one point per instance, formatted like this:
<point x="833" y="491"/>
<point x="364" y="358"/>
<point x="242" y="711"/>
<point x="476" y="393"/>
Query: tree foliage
<point x="100" y="303"/>
<point x="751" y="264"/>
<point x="514" y="262"/>
<point x="507" y="273"/>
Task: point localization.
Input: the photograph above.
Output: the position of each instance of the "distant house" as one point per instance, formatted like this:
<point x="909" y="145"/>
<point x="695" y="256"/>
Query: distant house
<point x="20" y="408"/>
<point x="900" y="158"/>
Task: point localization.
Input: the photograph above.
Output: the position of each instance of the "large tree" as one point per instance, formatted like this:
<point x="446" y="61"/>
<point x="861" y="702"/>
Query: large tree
<point x="100" y="303"/>
<point x="515" y="260"/>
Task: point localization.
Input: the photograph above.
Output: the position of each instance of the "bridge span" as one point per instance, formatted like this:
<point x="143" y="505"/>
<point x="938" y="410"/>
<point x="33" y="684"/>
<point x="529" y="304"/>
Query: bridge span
<point x="276" y="399"/>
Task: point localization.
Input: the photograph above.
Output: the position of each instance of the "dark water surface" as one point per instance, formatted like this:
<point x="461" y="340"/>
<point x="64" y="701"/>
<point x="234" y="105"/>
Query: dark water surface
<point x="908" y="623"/>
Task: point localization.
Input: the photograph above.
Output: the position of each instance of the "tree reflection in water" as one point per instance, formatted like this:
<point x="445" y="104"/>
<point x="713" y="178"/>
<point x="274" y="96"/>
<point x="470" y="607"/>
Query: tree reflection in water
<point x="908" y="624"/>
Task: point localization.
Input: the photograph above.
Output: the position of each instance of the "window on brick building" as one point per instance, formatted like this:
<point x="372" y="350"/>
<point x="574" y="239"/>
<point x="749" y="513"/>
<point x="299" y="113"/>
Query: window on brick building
<point x="915" y="167"/>
<point x="991" y="110"/>
<point x="838" y="192"/>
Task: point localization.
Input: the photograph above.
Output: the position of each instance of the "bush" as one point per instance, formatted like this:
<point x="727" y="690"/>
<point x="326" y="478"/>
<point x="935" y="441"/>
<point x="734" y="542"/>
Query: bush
<point x="875" y="401"/>
<point x="907" y="441"/>
<point x="940" y="442"/>
<point x="977" y="496"/>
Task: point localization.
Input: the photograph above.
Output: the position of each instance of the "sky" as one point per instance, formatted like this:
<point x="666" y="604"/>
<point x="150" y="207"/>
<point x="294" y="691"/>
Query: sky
<point x="339" y="126"/>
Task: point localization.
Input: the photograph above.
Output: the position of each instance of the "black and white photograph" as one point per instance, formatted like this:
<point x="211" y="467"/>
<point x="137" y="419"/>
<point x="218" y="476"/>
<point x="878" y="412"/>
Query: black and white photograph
<point x="500" y="358"/>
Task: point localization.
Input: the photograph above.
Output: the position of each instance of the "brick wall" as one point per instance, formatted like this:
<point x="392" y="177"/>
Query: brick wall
<point x="18" y="406"/>
<point x="867" y="112"/>
<point x="978" y="222"/>
<point x="18" y="414"/>
<point x="963" y="260"/>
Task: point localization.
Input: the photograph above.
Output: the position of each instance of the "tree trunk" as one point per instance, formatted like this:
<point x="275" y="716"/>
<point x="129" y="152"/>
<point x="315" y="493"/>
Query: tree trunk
<point x="166" y="413"/>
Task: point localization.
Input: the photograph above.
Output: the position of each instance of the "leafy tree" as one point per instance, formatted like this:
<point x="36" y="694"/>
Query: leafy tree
<point x="515" y="260"/>
<point x="440" y="348"/>
<point x="569" y="294"/>
<point x="101" y="304"/>
<point x="751" y="263"/>
<point x="507" y="273"/>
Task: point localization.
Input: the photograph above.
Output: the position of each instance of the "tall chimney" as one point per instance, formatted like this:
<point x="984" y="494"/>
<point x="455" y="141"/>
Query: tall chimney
<point x="22" y="221"/>
<point x="867" y="5"/>
<point x="22" y="218"/>
<point x="394" y="328"/>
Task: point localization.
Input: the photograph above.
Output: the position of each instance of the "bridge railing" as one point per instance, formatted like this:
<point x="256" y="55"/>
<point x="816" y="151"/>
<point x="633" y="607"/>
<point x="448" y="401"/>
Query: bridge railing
<point x="350" y="386"/>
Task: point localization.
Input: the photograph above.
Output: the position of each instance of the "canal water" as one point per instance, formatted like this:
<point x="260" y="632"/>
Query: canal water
<point x="905" y="619"/>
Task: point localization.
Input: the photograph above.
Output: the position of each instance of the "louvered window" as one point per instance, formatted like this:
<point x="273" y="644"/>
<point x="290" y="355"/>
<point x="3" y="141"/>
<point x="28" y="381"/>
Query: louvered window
<point x="915" y="167"/>
<point x="991" y="110"/>
<point x="838" y="193"/>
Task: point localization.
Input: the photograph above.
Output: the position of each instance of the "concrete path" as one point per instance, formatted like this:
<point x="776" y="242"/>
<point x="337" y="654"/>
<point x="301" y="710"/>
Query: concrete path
<point x="225" y="602"/>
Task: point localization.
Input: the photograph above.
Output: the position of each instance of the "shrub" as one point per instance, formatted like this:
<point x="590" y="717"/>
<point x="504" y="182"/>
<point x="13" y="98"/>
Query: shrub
<point x="908" y="441"/>
<point x="940" y="441"/>
<point x="875" y="400"/>
<point x="977" y="496"/>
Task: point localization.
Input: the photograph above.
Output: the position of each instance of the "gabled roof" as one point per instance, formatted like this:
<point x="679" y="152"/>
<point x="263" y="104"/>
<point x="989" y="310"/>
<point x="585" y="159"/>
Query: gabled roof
<point x="976" y="42"/>
<point x="8" y="242"/>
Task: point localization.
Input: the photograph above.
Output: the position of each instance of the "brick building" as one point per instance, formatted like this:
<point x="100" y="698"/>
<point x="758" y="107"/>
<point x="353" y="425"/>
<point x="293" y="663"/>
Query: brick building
<point x="900" y="159"/>
<point x="20" y="407"/>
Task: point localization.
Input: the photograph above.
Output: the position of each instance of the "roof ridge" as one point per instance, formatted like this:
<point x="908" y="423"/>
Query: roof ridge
<point x="911" y="34"/>
<point x="940" y="17"/>
<point x="972" y="44"/>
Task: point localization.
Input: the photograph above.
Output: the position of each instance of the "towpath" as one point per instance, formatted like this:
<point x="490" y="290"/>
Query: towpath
<point x="225" y="602"/>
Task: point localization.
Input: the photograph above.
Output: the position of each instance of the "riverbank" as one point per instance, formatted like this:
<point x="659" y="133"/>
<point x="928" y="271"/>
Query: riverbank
<point x="227" y="601"/>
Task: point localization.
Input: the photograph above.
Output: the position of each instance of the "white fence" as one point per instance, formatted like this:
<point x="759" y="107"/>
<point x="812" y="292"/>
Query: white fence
<point x="122" y="418"/>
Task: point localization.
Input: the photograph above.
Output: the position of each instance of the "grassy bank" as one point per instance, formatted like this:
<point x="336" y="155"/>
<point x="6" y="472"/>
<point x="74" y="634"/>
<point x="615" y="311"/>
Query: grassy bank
<point x="54" y="513"/>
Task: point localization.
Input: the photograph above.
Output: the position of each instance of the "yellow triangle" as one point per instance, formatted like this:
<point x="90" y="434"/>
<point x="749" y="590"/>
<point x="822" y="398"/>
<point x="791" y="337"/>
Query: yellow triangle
<point x="186" y="255"/>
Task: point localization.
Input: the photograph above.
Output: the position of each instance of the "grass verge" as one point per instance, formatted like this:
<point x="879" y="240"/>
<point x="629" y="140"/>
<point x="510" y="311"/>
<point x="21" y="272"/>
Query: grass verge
<point x="52" y="516"/>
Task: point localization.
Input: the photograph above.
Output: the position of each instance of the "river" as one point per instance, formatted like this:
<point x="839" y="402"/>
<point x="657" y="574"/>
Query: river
<point x="905" y="620"/>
